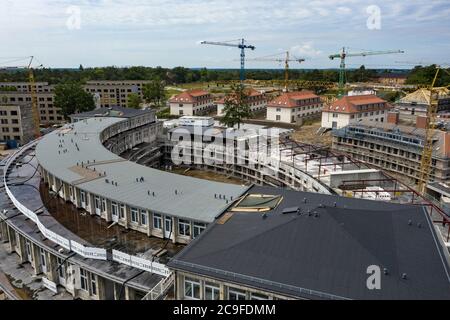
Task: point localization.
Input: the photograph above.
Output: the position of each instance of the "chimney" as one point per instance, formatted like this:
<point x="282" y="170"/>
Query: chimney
<point x="421" y="122"/>
<point x="392" y="117"/>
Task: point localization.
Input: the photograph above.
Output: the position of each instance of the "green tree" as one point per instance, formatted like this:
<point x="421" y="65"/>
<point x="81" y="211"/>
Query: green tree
<point x="154" y="93"/>
<point x="134" y="101"/>
<point x="236" y="107"/>
<point x="71" y="98"/>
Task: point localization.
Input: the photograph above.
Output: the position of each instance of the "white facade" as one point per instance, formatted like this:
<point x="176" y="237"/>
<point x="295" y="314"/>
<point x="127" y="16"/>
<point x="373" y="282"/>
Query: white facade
<point x="190" y="108"/>
<point x="292" y="115"/>
<point x="254" y="106"/>
<point x="336" y="120"/>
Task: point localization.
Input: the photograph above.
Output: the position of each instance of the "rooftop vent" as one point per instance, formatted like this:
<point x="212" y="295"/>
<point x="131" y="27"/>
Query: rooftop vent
<point x="290" y="210"/>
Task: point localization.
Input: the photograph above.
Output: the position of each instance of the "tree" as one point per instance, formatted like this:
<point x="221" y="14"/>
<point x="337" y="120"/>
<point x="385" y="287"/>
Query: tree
<point x="71" y="98"/>
<point x="154" y="93"/>
<point x="236" y="107"/>
<point x="134" y="101"/>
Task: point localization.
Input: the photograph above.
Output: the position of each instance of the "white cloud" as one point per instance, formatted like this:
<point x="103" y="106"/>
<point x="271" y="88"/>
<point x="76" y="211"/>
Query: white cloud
<point x="305" y="50"/>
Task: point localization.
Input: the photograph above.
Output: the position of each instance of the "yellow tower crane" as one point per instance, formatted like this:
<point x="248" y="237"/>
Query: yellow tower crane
<point x="427" y="153"/>
<point x="34" y="102"/>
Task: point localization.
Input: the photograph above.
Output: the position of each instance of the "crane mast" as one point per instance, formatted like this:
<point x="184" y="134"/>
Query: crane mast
<point x="343" y="55"/>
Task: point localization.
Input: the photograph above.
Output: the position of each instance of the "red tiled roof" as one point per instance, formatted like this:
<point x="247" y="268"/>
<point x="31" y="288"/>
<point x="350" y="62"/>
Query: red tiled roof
<point x="291" y="99"/>
<point x="349" y="104"/>
<point x="249" y="91"/>
<point x="189" y="96"/>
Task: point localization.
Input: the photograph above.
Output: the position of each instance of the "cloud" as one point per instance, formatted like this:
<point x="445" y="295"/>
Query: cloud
<point x="305" y="50"/>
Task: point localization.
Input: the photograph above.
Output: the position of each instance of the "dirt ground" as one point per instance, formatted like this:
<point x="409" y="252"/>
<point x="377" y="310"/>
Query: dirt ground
<point x="308" y="134"/>
<point x="207" y="175"/>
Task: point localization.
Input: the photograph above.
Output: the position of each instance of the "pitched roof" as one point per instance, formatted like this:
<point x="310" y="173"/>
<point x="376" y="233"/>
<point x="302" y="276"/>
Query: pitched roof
<point x="291" y="99"/>
<point x="350" y="104"/>
<point x="189" y="96"/>
<point x="422" y="96"/>
<point x="323" y="256"/>
<point x="249" y="91"/>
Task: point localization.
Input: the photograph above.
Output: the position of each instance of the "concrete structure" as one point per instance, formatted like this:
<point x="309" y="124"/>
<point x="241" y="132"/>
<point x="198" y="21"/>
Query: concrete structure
<point x="257" y="101"/>
<point x="353" y="109"/>
<point x="280" y="244"/>
<point x="294" y="107"/>
<point x="108" y="93"/>
<point x="113" y="111"/>
<point x="191" y="103"/>
<point x="394" y="147"/>
<point x="16" y="124"/>
<point x="48" y="113"/>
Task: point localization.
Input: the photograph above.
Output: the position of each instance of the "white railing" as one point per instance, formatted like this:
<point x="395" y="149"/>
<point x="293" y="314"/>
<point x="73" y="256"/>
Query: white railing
<point x="160" y="288"/>
<point x="71" y="245"/>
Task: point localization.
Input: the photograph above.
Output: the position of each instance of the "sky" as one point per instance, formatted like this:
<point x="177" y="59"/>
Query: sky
<point x="167" y="33"/>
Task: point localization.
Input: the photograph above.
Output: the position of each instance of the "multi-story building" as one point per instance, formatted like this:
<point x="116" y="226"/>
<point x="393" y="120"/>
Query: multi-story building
<point x="109" y="93"/>
<point x="394" y="147"/>
<point x="256" y="100"/>
<point x="294" y="107"/>
<point x="16" y="124"/>
<point x="416" y="103"/>
<point x="48" y="113"/>
<point x="353" y="109"/>
<point x="191" y="103"/>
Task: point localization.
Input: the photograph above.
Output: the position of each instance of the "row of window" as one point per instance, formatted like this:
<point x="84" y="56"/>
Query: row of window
<point x="5" y="113"/>
<point x="211" y="291"/>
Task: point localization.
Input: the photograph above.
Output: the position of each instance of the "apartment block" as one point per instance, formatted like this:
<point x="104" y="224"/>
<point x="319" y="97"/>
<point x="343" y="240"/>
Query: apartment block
<point x="256" y="100"/>
<point x="109" y="93"/>
<point x="191" y="103"/>
<point x="48" y="113"/>
<point x="394" y="147"/>
<point x="16" y="124"/>
<point x="353" y="109"/>
<point x="294" y="107"/>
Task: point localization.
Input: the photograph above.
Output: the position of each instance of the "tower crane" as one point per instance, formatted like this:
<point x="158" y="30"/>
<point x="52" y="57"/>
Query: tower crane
<point x="427" y="153"/>
<point x="241" y="45"/>
<point x="344" y="54"/>
<point x="286" y="61"/>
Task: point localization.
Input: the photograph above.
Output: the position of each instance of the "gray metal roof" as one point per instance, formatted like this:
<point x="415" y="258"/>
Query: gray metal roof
<point x="325" y="256"/>
<point x="195" y="198"/>
<point x="113" y="111"/>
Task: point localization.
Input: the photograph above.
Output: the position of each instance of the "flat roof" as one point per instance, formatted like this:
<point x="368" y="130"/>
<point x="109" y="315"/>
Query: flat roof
<point x="175" y="195"/>
<point x="113" y="111"/>
<point x="323" y="254"/>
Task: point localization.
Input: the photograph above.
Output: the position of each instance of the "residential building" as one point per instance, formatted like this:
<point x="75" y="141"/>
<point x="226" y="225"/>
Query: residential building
<point x="109" y="93"/>
<point x="282" y="244"/>
<point x="256" y="100"/>
<point x="191" y="103"/>
<point x="395" y="147"/>
<point x="294" y="107"/>
<point x="416" y="103"/>
<point x="352" y="109"/>
<point x="48" y="113"/>
<point x="16" y="124"/>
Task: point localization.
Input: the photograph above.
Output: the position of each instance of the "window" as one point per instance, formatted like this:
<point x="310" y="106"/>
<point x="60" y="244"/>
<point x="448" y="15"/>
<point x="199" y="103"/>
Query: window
<point x="236" y="294"/>
<point x="184" y="228"/>
<point x="83" y="279"/>
<point x="14" y="113"/>
<point x="43" y="260"/>
<point x="134" y="215"/>
<point x="61" y="268"/>
<point x="93" y="285"/>
<point x="212" y="292"/>
<point x="83" y="196"/>
<point x="122" y="211"/>
<point x="335" y="115"/>
<point x="278" y="118"/>
<point x="143" y="217"/>
<point x="191" y="289"/>
<point x="157" y="221"/>
<point x="114" y="209"/>
<point x="256" y="296"/>
<point x="97" y="202"/>
<point x="198" y="228"/>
